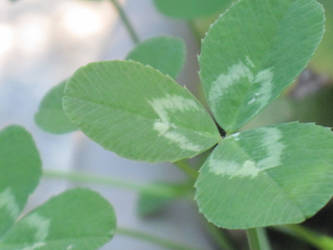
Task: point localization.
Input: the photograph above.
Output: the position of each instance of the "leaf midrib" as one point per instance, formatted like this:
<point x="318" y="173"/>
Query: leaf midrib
<point x="137" y="114"/>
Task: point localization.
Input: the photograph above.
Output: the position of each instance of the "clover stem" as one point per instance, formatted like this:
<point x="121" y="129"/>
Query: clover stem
<point x="257" y="239"/>
<point x="219" y="237"/>
<point x="88" y="178"/>
<point x="123" y="16"/>
<point x="187" y="169"/>
<point x="166" y="243"/>
<point x="195" y="31"/>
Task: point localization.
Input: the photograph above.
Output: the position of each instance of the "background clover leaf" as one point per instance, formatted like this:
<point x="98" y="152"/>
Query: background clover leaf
<point x="77" y="219"/>
<point x="167" y="54"/>
<point x="20" y="170"/>
<point x="50" y="116"/>
<point x="189" y="9"/>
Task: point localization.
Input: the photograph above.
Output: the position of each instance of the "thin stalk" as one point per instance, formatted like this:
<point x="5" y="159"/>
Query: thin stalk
<point x="257" y="239"/>
<point x="195" y="32"/>
<point x="154" y="239"/>
<point x="122" y="14"/>
<point x="187" y="169"/>
<point x="322" y="242"/>
<point x="221" y="240"/>
<point x="101" y="180"/>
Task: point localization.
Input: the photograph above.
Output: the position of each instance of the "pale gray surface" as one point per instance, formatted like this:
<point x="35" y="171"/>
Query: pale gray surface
<point x="25" y="78"/>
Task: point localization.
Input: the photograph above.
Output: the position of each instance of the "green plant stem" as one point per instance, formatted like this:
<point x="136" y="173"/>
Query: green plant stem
<point x="101" y="180"/>
<point x="153" y="239"/>
<point x="126" y="21"/>
<point x="194" y="31"/>
<point x="221" y="240"/>
<point x="322" y="242"/>
<point x="187" y="169"/>
<point x="257" y="239"/>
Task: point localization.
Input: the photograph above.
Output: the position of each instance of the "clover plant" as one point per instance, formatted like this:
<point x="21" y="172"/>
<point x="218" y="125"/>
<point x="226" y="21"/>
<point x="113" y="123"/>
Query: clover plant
<point x="75" y="219"/>
<point x="252" y="178"/>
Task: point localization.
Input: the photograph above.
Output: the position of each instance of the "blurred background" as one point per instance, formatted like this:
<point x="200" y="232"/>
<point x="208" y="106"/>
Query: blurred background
<point x="42" y="42"/>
